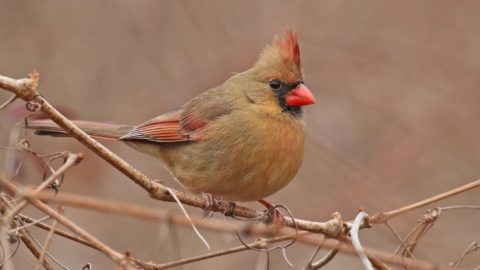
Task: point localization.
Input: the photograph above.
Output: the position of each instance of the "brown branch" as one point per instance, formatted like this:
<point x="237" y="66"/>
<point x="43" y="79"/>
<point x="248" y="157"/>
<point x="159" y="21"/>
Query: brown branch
<point x="257" y="244"/>
<point x="474" y="246"/>
<point x="347" y="248"/>
<point x="376" y="256"/>
<point x="26" y="89"/>
<point x="56" y="231"/>
<point x="71" y="160"/>
<point x="30" y="246"/>
<point x="426" y="223"/>
<point x="362" y="217"/>
<point x="217" y="225"/>
<point x="109" y="206"/>
<point x="8" y="102"/>
<point x="48" y="240"/>
<point x="117" y="257"/>
<point x="382" y="217"/>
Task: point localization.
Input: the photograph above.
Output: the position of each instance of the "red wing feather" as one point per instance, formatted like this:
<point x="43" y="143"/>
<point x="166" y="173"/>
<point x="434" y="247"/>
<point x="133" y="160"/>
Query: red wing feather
<point x="170" y="127"/>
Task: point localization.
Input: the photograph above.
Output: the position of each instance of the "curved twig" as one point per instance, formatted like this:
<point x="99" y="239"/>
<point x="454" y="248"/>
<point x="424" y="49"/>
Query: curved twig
<point x="359" y="219"/>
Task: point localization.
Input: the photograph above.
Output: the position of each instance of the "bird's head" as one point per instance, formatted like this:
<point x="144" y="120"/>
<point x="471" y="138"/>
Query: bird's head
<point x="277" y="76"/>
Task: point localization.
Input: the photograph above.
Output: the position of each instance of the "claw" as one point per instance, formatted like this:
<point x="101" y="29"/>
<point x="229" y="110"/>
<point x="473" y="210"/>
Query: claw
<point x="276" y="216"/>
<point x="211" y="205"/>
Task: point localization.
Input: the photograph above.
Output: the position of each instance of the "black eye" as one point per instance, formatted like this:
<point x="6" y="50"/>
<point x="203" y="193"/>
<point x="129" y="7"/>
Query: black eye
<point x="275" y="84"/>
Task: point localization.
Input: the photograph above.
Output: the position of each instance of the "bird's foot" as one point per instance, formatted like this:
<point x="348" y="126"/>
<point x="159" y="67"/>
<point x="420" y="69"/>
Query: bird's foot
<point x="275" y="216"/>
<point x="211" y="205"/>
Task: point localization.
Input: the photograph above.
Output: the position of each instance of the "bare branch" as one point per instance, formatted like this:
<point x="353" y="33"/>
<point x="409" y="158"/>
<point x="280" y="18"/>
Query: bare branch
<point x="56" y="231"/>
<point x="362" y="217"/>
<point x="427" y="222"/>
<point x="29" y="244"/>
<point x="25" y="88"/>
<point x="474" y="246"/>
<point x="371" y="253"/>
<point x="48" y="240"/>
<point x="8" y="102"/>
<point x="33" y="222"/>
<point x="323" y="261"/>
<point x="71" y="160"/>
<point x="257" y="244"/>
<point x="117" y="257"/>
<point x="382" y="217"/>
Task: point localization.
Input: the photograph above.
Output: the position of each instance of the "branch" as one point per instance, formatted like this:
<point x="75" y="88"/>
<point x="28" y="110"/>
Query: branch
<point x="257" y="244"/>
<point x="29" y="244"/>
<point x="117" y="257"/>
<point x="24" y="237"/>
<point x="56" y="231"/>
<point x="362" y="217"/>
<point x="48" y="240"/>
<point x="71" y="160"/>
<point x="427" y="222"/>
<point x="221" y="225"/>
<point x="382" y="217"/>
<point x="371" y="253"/>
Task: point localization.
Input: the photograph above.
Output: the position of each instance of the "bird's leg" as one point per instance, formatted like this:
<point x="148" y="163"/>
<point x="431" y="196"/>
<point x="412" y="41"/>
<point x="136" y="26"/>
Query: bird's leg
<point x="211" y="204"/>
<point x="277" y="217"/>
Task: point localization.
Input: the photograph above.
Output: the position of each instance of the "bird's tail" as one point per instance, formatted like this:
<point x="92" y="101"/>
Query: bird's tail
<point x="108" y="131"/>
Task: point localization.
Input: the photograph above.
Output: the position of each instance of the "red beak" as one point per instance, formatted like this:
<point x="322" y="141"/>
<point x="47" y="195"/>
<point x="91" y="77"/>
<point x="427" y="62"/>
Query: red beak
<point x="299" y="96"/>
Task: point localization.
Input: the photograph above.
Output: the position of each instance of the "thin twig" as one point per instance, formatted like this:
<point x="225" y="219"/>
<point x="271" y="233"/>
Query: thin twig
<point x="456" y="207"/>
<point x="406" y="238"/>
<point x="382" y="217"/>
<point x="399" y="238"/>
<point x="427" y="222"/>
<point x="361" y="217"/>
<point x="152" y="266"/>
<point x="323" y="261"/>
<point x="205" y="242"/>
<point x="5" y="259"/>
<point x="47" y="253"/>
<point x="46" y="245"/>
<point x="379" y="255"/>
<point x="34" y="222"/>
<point x="29" y="244"/>
<point x="71" y="160"/>
<point x="377" y="264"/>
<point x="470" y="249"/>
<point x="57" y="231"/>
<point x="117" y="257"/>
<point x="8" y="102"/>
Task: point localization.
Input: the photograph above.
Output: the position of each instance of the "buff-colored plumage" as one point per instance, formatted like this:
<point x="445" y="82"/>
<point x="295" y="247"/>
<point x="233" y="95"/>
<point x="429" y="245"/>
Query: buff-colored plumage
<point x="236" y="141"/>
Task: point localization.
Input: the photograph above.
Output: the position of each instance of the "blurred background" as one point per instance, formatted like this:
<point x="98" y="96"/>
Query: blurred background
<point x="397" y="116"/>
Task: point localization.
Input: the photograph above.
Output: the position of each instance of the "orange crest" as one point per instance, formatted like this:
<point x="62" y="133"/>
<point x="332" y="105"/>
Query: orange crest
<point x="289" y="46"/>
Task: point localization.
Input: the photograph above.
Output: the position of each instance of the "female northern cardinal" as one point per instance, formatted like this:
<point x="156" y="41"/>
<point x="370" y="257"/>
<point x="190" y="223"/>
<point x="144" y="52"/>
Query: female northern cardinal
<point x="241" y="141"/>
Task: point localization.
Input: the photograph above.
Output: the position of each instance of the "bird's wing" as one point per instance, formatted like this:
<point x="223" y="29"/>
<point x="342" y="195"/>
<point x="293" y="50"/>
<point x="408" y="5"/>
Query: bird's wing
<point x="186" y="124"/>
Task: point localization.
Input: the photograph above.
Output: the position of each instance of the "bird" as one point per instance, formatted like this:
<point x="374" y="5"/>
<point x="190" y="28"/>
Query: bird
<point x="240" y="141"/>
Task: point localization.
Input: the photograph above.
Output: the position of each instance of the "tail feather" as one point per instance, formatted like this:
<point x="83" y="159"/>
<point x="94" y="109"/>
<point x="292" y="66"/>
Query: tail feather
<point x="108" y="131"/>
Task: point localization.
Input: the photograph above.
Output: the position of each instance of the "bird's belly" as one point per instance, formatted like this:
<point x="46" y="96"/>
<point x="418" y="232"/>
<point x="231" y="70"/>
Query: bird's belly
<point x="244" y="169"/>
<point x="236" y="176"/>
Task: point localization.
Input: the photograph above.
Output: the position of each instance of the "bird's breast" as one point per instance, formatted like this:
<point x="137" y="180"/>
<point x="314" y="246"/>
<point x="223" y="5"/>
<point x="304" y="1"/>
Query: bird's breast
<point x="243" y="157"/>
